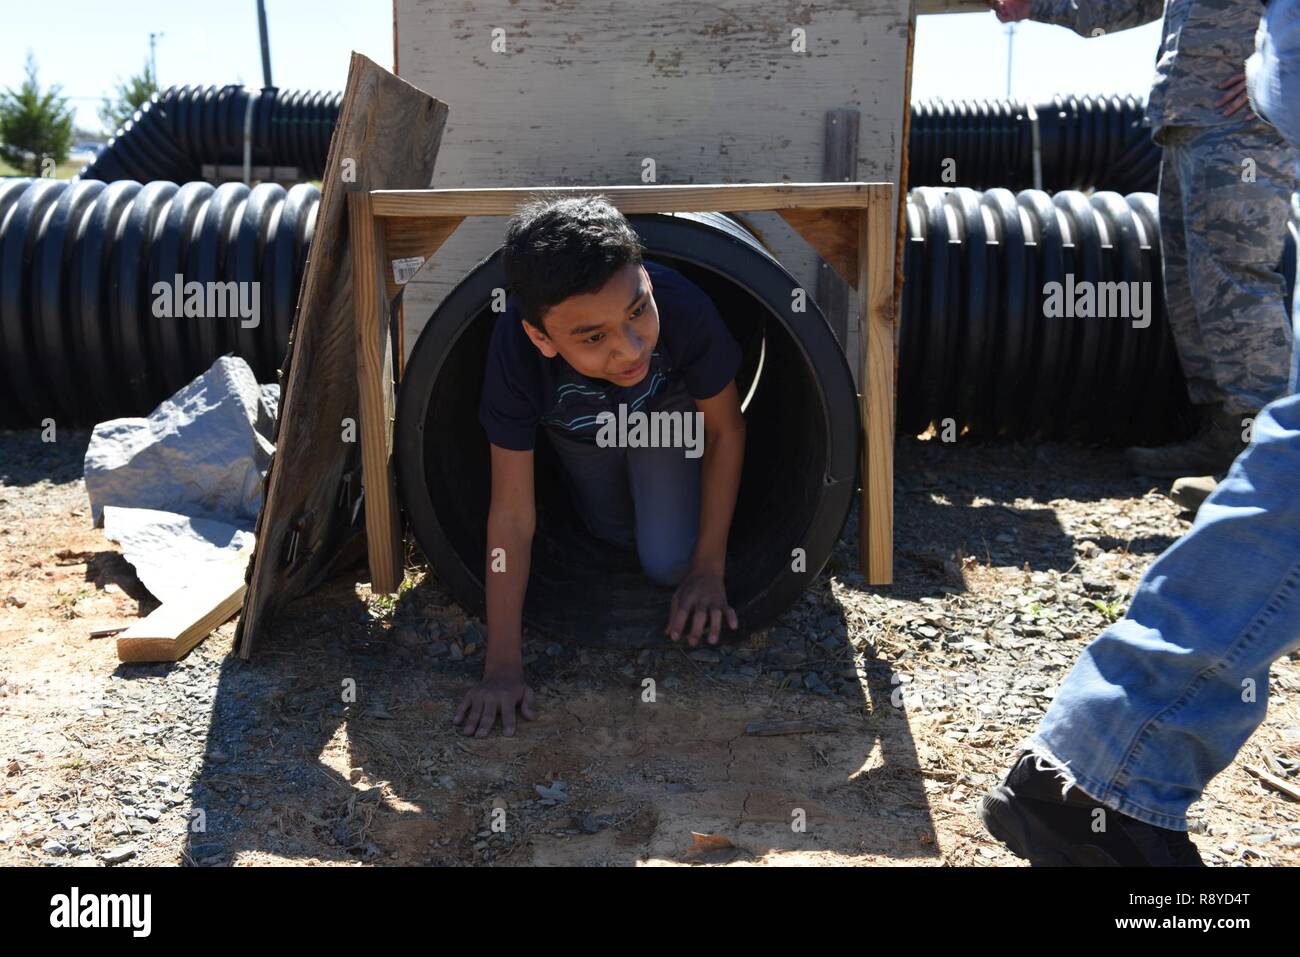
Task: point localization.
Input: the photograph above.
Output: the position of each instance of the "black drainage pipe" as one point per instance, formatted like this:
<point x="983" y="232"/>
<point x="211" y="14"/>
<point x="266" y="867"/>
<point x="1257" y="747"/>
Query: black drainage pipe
<point x="1083" y="142"/>
<point x="978" y="349"/>
<point x="79" y="339"/>
<point x="79" y="342"/>
<point x="800" y="456"/>
<point x="180" y="129"/>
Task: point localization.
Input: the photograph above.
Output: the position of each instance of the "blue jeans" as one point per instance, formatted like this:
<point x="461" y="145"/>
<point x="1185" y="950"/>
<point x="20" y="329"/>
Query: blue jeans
<point x="1162" y="700"/>
<point x="647" y="498"/>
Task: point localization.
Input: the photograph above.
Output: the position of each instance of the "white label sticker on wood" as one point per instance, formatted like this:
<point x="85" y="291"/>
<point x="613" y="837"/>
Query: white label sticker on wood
<point x="404" y="269"/>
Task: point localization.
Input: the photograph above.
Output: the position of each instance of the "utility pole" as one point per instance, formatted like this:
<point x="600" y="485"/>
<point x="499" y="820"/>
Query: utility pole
<point x="266" y="48"/>
<point x="153" y="58"/>
<point x="1011" y="43"/>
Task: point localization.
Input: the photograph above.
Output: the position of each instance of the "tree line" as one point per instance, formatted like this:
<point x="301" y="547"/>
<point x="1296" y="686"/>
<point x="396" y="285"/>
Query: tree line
<point x="36" y="123"/>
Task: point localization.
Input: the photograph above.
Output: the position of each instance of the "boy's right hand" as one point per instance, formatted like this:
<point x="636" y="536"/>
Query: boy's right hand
<point x="500" y="692"/>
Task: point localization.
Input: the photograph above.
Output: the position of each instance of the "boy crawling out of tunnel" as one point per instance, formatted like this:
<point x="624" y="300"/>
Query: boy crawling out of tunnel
<point x="631" y="370"/>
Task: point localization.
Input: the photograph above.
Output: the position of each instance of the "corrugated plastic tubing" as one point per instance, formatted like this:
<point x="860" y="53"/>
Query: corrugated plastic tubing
<point x="977" y="347"/>
<point x="181" y="128"/>
<point x="800" y="448"/>
<point x="1086" y="142"/>
<point x="79" y="341"/>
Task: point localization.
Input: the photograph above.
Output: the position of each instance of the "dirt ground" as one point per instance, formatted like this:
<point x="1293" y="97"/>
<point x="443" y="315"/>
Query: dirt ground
<point x="910" y="701"/>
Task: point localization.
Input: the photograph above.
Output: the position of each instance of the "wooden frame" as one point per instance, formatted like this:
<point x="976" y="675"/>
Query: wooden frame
<point x="848" y="224"/>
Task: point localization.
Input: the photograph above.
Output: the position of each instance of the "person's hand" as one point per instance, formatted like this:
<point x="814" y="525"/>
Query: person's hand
<point x="1010" y="11"/>
<point x="1235" y="98"/>
<point x="498" y="693"/>
<point x="701" y="600"/>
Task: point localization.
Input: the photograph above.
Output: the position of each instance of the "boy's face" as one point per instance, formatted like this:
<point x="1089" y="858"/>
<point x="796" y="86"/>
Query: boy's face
<point x="608" y="334"/>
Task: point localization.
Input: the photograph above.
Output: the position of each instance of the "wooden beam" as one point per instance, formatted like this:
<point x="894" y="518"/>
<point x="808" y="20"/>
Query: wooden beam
<point x="876" y="389"/>
<point x="388" y="134"/>
<point x="742" y="197"/>
<point x="375" y="384"/>
<point x="951" y="6"/>
<point x="176" y="626"/>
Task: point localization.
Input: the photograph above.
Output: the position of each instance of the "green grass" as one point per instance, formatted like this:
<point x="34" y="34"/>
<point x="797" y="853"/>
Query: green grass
<point x="62" y="171"/>
<point x="1112" y="611"/>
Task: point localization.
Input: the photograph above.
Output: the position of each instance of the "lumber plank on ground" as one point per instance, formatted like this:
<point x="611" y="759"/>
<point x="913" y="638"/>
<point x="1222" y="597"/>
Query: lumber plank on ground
<point x="388" y="135"/>
<point x="176" y="626"/>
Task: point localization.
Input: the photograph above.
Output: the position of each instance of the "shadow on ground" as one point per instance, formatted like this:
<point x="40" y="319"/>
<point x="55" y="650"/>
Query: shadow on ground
<point x="335" y="743"/>
<point x="604" y="776"/>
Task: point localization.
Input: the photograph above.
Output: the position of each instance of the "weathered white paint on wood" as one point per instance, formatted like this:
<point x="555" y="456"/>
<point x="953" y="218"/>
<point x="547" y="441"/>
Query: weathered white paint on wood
<point x="578" y="94"/>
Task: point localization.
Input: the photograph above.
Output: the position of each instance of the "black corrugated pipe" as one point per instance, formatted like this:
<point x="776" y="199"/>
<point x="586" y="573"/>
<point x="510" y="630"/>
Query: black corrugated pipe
<point x="1084" y="142"/>
<point x="980" y="344"/>
<point x="79" y="341"/>
<point x="182" y="128"/>
<point x="79" y="338"/>
<point x="800" y="456"/>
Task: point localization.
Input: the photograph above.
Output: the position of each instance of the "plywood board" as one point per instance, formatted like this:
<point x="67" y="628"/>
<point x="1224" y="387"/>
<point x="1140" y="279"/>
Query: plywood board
<point x="388" y="135"/>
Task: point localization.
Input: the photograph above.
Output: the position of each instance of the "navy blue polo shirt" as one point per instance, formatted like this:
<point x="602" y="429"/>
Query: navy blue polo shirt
<point x="523" y="389"/>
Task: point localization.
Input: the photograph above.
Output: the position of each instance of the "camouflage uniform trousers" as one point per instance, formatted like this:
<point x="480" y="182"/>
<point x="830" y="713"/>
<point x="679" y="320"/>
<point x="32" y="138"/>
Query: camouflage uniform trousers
<point x="1222" y="237"/>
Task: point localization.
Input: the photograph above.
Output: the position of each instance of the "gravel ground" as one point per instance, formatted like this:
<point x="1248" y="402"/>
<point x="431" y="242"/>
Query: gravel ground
<point x="334" y="745"/>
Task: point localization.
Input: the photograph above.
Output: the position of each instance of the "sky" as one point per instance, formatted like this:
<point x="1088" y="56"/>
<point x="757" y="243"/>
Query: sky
<point x="202" y="43"/>
<point x="957" y="55"/>
<point x="964" y="55"/>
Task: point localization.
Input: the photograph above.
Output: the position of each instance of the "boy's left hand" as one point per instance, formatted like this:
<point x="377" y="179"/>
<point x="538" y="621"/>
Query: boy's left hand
<point x="701" y="599"/>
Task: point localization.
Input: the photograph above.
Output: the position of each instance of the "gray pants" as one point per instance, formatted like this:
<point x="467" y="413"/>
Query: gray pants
<point x="647" y="498"/>
<point x="1225" y="196"/>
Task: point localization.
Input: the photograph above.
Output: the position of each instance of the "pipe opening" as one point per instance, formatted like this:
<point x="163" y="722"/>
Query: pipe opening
<point x="796" y="485"/>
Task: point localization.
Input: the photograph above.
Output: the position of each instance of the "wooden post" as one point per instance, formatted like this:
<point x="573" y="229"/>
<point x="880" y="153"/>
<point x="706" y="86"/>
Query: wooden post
<point x="389" y="134"/>
<point x="876" y="386"/>
<point x="839" y="165"/>
<point x="375" y="392"/>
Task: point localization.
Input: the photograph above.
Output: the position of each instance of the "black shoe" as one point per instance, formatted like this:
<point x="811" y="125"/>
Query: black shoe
<point x="1028" y="814"/>
<point x="1209" y="452"/>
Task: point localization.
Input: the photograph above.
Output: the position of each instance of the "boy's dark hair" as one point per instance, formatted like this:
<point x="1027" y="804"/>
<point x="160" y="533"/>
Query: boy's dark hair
<point x="557" y="248"/>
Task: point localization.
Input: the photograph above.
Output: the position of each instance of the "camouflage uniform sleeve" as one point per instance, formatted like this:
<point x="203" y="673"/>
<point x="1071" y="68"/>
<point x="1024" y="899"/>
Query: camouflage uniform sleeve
<point x="1090" y="18"/>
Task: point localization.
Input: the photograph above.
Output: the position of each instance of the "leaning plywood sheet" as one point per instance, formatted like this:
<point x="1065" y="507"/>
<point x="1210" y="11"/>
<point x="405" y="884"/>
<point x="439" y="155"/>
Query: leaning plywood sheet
<point x="387" y="136"/>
